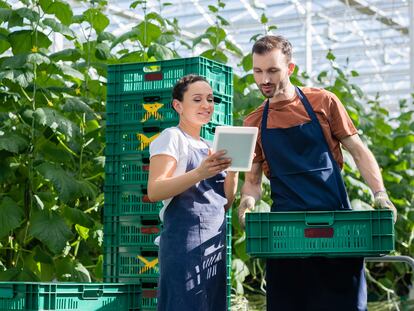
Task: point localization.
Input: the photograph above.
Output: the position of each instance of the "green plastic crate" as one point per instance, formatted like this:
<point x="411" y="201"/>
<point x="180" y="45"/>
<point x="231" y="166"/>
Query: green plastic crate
<point x="207" y="131"/>
<point x="140" y="108"/>
<point x="149" y="296"/>
<point x="127" y="170"/>
<point x="131" y="230"/>
<point x="130" y="263"/>
<point x="162" y="75"/>
<point x="153" y="107"/>
<point x="329" y="234"/>
<point x="133" y="138"/>
<point x="129" y="201"/>
<point x="30" y="296"/>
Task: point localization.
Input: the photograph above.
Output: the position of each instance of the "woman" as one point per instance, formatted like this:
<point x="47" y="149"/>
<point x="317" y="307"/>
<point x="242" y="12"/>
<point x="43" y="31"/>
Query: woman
<point x="190" y="179"/>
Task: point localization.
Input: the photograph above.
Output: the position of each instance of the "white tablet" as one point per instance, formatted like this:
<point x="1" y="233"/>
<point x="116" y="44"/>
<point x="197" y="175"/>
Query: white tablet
<point x="239" y="141"/>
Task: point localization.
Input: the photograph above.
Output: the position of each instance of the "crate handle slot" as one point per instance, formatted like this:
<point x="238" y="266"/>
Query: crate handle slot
<point x="92" y="294"/>
<point x="319" y="219"/>
<point x="6" y="291"/>
<point x="151" y="68"/>
<point x="216" y="69"/>
<point x="151" y="99"/>
<point x="150" y="129"/>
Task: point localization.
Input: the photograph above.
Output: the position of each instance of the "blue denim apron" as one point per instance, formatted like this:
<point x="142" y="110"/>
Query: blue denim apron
<point x="305" y="176"/>
<point x="192" y="254"/>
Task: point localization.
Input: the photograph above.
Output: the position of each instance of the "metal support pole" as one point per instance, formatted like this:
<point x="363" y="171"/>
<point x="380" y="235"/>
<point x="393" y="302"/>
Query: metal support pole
<point x="411" y="8"/>
<point x="308" y="48"/>
<point x="408" y="260"/>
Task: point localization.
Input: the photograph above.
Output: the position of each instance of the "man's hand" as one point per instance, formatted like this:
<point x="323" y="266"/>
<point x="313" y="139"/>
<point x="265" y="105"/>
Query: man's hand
<point x="246" y="205"/>
<point x="381" y="200"/>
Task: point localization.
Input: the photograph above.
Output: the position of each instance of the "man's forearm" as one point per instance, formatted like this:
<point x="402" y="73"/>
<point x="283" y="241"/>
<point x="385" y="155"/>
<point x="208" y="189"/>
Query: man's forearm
<point x="365" y="161"/>
<point x="251" y="190"/>
<point x="369" y="169"/>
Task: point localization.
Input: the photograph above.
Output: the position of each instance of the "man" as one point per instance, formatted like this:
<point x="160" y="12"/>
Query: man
<point x="298" y="148"/>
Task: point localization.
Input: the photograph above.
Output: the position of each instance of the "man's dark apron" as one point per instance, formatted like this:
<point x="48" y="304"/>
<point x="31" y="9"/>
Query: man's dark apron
<point x="192" y="254"/>
<point x="305" y="176"/>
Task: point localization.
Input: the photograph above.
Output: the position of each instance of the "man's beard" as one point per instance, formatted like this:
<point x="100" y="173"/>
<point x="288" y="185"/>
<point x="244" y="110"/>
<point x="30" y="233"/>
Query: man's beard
<point x="275" y="90"/>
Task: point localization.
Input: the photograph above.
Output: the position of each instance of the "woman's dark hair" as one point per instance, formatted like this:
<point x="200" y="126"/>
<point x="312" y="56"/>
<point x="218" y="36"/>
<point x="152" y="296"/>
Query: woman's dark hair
<point x="269" y="43"/>
<point x="182" y="85"/>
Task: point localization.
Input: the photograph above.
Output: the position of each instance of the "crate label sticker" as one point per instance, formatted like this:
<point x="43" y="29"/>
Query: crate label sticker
<point x="145" y="141"/>
<point x="319" y="232"/>
<point x="151" y="110"/>
<point x="148" y="264"/>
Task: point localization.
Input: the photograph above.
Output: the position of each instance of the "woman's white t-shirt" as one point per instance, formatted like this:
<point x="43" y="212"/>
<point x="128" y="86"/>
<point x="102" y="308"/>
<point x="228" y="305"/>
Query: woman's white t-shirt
<point x="174" y="142"/>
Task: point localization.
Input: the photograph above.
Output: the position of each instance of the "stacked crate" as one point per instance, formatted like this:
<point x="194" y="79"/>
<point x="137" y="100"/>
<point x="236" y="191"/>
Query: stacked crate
<point x="63" y="296"/>
<point x="139" y="107"/>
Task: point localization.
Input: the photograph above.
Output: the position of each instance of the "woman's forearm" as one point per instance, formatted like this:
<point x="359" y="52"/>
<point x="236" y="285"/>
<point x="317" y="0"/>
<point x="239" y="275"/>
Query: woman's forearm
<point x="169" y="187"/>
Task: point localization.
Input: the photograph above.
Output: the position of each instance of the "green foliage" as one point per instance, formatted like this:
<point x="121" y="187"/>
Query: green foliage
<point x="52" y="137"/>
<point x="52" y="133"/>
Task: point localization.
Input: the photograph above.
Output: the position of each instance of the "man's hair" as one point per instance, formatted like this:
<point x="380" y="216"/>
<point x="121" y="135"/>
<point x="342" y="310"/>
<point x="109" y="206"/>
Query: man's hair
<point x="269" y="43"/>
<point x="182" y="85"/>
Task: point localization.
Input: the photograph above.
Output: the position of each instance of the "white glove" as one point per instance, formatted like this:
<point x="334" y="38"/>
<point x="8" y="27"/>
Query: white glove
<point x="381" y="200"/>
<point x="246" y="205"/>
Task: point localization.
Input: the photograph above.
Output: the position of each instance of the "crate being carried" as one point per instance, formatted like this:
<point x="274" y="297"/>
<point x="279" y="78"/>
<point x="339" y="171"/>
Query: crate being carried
<point x="28" y="296"/>
<point x="327" y="234"/>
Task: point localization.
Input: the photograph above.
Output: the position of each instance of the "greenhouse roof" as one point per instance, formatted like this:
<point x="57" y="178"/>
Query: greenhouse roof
<point x="372" y="35"/>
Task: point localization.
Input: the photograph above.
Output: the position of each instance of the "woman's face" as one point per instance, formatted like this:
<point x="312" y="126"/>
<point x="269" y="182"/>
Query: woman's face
<point x="197" y="105"/>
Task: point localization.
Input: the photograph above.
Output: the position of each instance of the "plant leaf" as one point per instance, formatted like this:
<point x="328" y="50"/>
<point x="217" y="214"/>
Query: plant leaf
<point x="18" y="274"/>
<point x="4" y="42"/>
<point x="10" y="216"/>
<point x="68" y="269"/>
<point x="68" y="188"/>
<point x="28" y="14"/>
<point x="75" y="104"/>
<point x="60" y="9"/>
<point x="42" y="256"/>
<point x="24" y="40"/>
<point x="212" y="9"/>
<point x="60" y="28"/>
<point x="247" y="62"/>
<point x="51" y="118"/>
<point x="156" y="17"/>
<point x="148" y="33"/>
<point x="5" y="14"/>
<point x="160" y="52"/>
<point x="13" y="142"/>
<point x="96" y="19"/>
<point x="66" y="55"/>
<point x="69" y="71"/>
<point x="105" y="36"/>
<point x="232" y="47"/>
<point x="78" y="217"/>
<point x="102" y="51"/>
<point x="50" y="228"/>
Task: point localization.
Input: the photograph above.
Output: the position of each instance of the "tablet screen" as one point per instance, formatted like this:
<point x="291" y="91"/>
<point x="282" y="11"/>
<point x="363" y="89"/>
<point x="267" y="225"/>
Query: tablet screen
<point x="239" y="141"/>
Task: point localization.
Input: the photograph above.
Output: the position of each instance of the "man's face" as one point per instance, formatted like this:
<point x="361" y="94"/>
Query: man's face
<point x="271" y="72"/>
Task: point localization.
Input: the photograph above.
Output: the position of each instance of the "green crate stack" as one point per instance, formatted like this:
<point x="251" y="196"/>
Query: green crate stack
<point x="28" y="296"/>
<point x="139" y="107"/>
